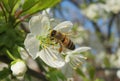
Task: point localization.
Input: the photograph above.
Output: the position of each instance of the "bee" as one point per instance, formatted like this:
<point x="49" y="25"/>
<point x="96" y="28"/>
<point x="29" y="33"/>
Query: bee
<point x="63" y="40"/>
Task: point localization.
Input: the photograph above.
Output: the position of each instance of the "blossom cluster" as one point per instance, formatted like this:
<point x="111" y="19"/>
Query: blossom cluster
<point x="94" y="11"/>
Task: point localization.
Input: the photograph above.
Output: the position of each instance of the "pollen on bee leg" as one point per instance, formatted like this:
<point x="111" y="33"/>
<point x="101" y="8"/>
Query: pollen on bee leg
<point x="60" y="50"/>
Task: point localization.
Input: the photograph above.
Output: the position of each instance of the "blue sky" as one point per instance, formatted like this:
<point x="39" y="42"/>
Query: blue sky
<point x="72" y="13"/>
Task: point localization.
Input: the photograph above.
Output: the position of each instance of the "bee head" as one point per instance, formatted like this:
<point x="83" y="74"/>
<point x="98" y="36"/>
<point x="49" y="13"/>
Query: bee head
<point x="53" y="33"/>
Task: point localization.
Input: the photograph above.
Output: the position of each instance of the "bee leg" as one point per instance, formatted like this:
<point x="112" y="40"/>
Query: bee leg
<point x="56" y="41"/>
<point x="61" y="48"/>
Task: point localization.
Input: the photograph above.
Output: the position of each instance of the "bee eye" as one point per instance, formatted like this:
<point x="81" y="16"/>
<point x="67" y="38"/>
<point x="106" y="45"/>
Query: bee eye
<point x="53" y="33"/>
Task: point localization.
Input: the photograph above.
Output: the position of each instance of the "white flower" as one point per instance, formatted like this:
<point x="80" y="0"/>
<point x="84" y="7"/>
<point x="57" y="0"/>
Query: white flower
<point x="74" y="58"/>
<point x="94" y="11"/>
<point x="38" y="42"/>
<point x="3" y="65"/>
<point x="18" y="68"/>
<point x="70" y="79"/>
<point x="118" y="74"/>
<point x="91" y="11"/>
<point x="51" y="57"/>
<point x="113" y="5"/>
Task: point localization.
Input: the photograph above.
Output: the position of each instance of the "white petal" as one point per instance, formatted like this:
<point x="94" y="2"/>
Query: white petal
<point x="80" y="56"/>
<point x="80" y="49"/>
<point x="19" y="68"/>
<point x="67" y="58"/>
<point x="46" y="12"/>
<point x="51" y="58"/>
<point x="118" y="73"/>
<point x="64" y="26"/>
<point x="32" y="45"/>
<point x="39" y="25"/>
<point x="67" y="71"/>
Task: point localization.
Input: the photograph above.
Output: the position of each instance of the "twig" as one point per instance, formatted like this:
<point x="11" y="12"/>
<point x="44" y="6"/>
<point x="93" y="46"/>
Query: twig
<point x="110" y="69"/>
<point x="37" y="74"/>
<point x="5" y="59"/>
<point x="3" y="11"/>
<point x="24" y="28"/>
<point x="110" y="26"/>
<point x="98" y="32"/>
<point x="22" y="19"/>
<point x="75" y="3"/>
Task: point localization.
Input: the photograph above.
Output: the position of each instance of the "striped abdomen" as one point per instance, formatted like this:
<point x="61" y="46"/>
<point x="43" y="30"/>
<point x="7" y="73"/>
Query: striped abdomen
<point x="68" y="43"/>
<point x="63" y="39"/>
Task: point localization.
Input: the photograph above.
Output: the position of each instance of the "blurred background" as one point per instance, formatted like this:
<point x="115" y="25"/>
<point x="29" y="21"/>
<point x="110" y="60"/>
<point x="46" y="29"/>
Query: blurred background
<point x="96" y="25"/>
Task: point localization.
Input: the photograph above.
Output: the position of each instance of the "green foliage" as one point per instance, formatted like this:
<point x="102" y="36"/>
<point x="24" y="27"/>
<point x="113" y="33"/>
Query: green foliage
<point x="12" y="13"/>
<point x="79" y="71"/>
<point x="106" y="62"/>
<point x="12" y="36"/>
<point x="4" y="73"/>
<point x="55" y="75"/>
<point x="91" y="71"/>
<point x="34" y="6"/>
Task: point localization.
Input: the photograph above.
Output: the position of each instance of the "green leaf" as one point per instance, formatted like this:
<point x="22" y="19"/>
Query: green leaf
<point x="6" y="5"/>
<point x="55" y="75"/>
<point x="36" y="6"/>
<point x="107" y="62"/>
<point x="28" y="4"/>
<point x="9" y="4"/>
<point x="2" y="28"/>
<point x="4" y="73"/>
<point x="12" y="3"/>
<point x="91" y="71"/>
<point x="79" y="71"/>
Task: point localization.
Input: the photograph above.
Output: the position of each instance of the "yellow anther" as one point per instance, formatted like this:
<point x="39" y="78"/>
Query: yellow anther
<point x="74" y="68"/>
<point x="44" y="46"/>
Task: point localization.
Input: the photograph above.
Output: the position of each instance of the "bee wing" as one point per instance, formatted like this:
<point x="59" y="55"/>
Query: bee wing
<point x="64" y="26"/>
<point x="51" y="57"/>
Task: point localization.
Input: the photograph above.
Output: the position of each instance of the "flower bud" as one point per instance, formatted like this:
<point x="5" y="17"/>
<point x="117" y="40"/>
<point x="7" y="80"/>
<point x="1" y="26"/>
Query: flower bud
<point x="18" y="68"/>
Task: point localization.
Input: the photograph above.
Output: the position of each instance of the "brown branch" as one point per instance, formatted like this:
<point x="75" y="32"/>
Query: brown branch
<point x="22" y="19"/>
<point x="18" y="13"/>
<point x="36" y="74"/>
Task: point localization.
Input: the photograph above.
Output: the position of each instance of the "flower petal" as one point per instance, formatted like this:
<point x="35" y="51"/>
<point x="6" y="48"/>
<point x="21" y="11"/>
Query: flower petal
<point x="39" y="25"/>
<point x="32" y="45"/>
<point x="67" y="58"/>
<point x="64" y="26"/>
<point x="78" y="50"/>
<point x="51" y="58"/>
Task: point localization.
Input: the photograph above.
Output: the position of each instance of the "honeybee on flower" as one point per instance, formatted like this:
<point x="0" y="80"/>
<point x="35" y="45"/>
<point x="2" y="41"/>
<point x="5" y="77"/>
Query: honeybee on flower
<point x="41" y="42"/>
<point x="38" y="42"/>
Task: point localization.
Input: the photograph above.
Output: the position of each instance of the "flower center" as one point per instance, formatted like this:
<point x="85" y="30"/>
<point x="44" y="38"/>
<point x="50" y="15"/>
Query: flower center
<point x="45" y="41"/>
